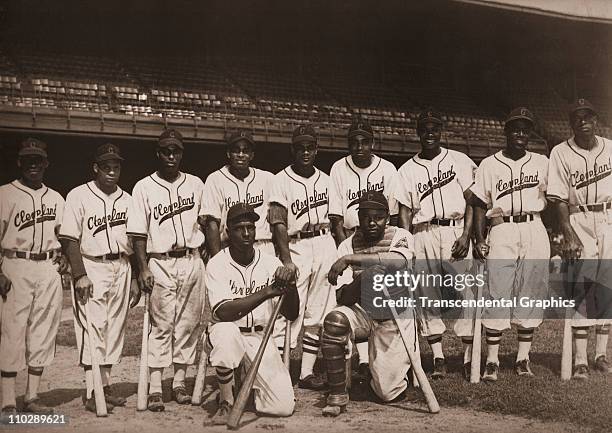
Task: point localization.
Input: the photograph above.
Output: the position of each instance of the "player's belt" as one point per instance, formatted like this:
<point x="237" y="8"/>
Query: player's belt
<point x="424" y="226"/>
<point x="12" y="254"/>
<point x="512" y="219"/>
<point x="104" y="257"/>
<point x="310" y="234"/>
<point x="174" y="254"/>
<point x="597" y="207"/>
<point x="256" y="328"/>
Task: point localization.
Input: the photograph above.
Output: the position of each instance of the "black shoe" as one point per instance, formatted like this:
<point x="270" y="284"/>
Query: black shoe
<point x="220" y="416"/>
<point x="113" y="399"/>
<point x="155" y="403"/>
<point x="522" y="368"/>
<point x="180" y="395"/>
<point x="601" y="364"/>
<point x="491" y="370"/>
<point x="8" y="410"/>
<point x="439" y="369"/>
<point x="34" y="406"/>
<point x="90" y="405"/>
<point x="581" y="372"/>
<point x="312" y="382"/>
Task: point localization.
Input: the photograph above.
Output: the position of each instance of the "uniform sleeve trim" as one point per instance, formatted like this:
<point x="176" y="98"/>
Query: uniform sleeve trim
<point x="70" y="238"/>
<point x="137" y="235"/>
<point x="216" y="307"/>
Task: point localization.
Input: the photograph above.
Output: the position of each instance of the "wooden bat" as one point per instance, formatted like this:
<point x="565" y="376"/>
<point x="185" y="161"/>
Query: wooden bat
<point x="200" y="380"/>
<point x="143" y="376"/>
<point x="566" y="354"/>
<point x="477" y="337"/>
<point x="287" y="346"/>
<point x="237" y="410"/>
<point x="101" y="409"/>
<point x="415" y="361"/>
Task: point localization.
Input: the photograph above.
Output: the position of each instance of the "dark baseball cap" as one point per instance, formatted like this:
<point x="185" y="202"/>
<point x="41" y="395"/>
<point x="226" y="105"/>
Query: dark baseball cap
<point x="108" y="152"/>
<point x="520" y="113"/>
<point x="581" y="104"/>
<point x="171" y="137"/>
<point x="32" y="146"/>
<point x="304" y="133"/>
<point x="360" y="127"/>
<point x="373" y="200"/>
<point x="238" y="136"/>
<point x="429" y="115"/>
<point x="240" y="212"/>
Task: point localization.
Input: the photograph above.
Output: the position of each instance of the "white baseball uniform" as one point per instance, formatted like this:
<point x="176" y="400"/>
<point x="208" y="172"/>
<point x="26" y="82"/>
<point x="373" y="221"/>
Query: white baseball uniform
<point x="388" y="358"/>
<point x="348" y="182"/>
<point x="583" y="178"/>
<point x="167" y="215"/>
<point x="433" y="189"/>
<point x="519" y="252"/>
<point x="307" y="204"/>
<point x="29" y="220"/>
<point x="231" y="342"/>
<point x="223" y="190"/>
<point x="98" y="222"/>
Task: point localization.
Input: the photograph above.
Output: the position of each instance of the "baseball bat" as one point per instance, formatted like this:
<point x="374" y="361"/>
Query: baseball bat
<point x="143" y="376"/>
<point x="415" y="361"/>
<point x="200" y="380"/>
<point x="566" y="354"/>
<point x="101" y="409"/>
<point x="477" y="337"/>
<point x="287" y="346"/>
<point x="238" y="409"/>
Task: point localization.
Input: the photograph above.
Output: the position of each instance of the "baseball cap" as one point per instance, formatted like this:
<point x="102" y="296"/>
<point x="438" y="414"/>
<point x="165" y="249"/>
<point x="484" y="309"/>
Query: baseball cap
<point x="520" y="113"/>
<point x="360" y="127"/>
<point x="238" y="136"/>
<point x="241" y="211"/>
<point x="373" y="200"/>
<point x="170" y="137"/>
<point x="304" y="133"/>
<point x="429" y="115"/>
<point x="32" y="146"/>
<point x="581" y="104"/>
<point x="108" y="152"/>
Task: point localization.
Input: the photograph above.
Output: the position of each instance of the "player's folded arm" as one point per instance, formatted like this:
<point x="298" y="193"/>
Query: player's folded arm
<point x="277" y="214"/>
<point x="291" y="305"/>
<point x="350" y="293"/>
<point x="71" y="247"/>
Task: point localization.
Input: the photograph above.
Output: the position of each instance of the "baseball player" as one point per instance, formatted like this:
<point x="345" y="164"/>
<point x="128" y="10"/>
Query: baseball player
<point x="243" y="282"/>
<point x="30" y="282"/>
<point x="509" y="192"/>
<point x="93" y="235"/>
<point x="431" y="190"/>
<point x="581" y="188"/>
<point x="350" y="177"/>
<point x="167" y="241"/>
<point x="373" y="249"/>
<point x="299" y="203"/>
<point x="233" y="183"/>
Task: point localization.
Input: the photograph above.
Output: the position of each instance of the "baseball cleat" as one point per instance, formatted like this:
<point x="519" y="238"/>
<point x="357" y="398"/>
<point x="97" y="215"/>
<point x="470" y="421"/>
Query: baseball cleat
<point x="113" y="399"/>
<point x="333" y="411"/>
<point x="601" y="364"/>
<point x="522" y="368"/>
<point x="155" y="403"/>
<point x="34" y="406"/>
<point x="312" y="382"/>
<point x="180" y="395"/>
<point x="581" y="372"/>
<point x="439" y="369"/>
<point x="467" y="370"/>
<point x="90" y="405"/>
<point x="220" y="416"/>
<point x="9" y="410"/>
<point x="491" y="370"/>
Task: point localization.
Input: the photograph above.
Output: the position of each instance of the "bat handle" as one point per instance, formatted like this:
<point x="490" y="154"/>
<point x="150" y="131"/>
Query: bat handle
<point x="101" y="409"/>
<point x="143" y="378"/>
<point x="287" y="346"/>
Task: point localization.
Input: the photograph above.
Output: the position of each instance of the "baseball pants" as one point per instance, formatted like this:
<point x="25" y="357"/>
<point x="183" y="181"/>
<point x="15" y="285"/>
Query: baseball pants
<point x="517" y="266"/>
<point x="175" y="308"/>
<point x="433" y="245"/>
<point x="273" y="389"/>
<point x="388" y="357"/>
<point x="31" y="314"/>
<point x="108" y="308"/>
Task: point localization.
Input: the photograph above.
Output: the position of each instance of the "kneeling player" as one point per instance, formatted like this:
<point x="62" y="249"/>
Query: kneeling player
<point x="373" y="249"/>
<point x="242" y="282"/>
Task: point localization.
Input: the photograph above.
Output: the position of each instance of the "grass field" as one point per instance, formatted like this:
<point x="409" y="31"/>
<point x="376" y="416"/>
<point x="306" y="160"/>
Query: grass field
<point x="544" y="397"/>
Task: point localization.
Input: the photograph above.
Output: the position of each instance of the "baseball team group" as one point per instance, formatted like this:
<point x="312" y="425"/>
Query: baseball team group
<point x="277" y="261"/>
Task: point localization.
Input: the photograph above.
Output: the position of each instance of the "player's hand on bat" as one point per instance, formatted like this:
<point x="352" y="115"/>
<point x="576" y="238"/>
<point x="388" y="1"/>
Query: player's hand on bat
<point x="134" y="293"/>
<point x="5" y="285"/>
<point x="146" y="281"/>
<point x="571" y="247"/>
<point x="284" y="275"/>
<point x="62" y="264"/>
<point x="336" y="270"/>
<point x="461" y="247"/>
<point x="83" y="289"/>
<point x="293" y="268"/>
<point x="481" y="250"/>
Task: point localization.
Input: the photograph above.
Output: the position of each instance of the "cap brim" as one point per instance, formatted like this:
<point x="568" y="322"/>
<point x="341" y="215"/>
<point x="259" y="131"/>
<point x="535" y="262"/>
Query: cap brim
<point x="166" y="142"/>
<point x="304" y="139"/>
<point x="239" y="139"/>
<point x="513" y="118"/>
<point x="252" y="217"/>
<point x="372" y="205"/>
<point x="582" y="107"/>
<point x="32" y="151"/>
<point x="360" y="132"/>
<point x="109" y="157"/>
<point x="430" y="119"/>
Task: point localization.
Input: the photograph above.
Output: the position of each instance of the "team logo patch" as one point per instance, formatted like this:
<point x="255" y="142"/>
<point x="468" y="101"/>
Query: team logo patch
<point x="354" y="196"/>
<point x="163" y="212"/>
<point x="580" y="179"/>
<point x="301" y="207"/>
<point x="525" y="181"/>
<point x="401" y="243"/>
<point x="443" y="179"/>
<point x="24" y="219"/>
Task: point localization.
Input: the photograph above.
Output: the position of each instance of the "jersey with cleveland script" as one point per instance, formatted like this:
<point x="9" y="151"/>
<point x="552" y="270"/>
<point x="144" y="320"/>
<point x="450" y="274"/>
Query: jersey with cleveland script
<point x="227" y="280"/>
<point x="511" y="187"/>
<point x="96" y="220"/>
<point x="306" y="199"/>
<point x="434" y="188"/>
<point x="222" y="190"/>
<point x="29" y="218"/>
<point x="167" y="213"/>
<point x="579" y="176"/>
<point x="348" y="182"/>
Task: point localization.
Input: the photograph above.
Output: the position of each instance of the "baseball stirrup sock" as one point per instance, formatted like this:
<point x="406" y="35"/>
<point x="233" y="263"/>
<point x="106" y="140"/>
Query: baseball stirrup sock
<point x="467" y="352"/>
<point x="8" y="390"/>
<point x="435" y="341"/>
<point x="225" y="377"/>
<point x="105" y="373"/>
<point x="155" y="381"/>
<point x="180" y="371"/>
<point x="524" y="337"/>
<point x="581" y="335"/>
<point x="362" y="349"/>
<point x="601" y="340"/>
<point x="88" y="383"/>
<point x="310" y="349"/>
<point x="34" y="375"/>
<point x="493" y="338"/>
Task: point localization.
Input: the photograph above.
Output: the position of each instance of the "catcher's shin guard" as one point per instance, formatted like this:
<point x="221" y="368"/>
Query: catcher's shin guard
<point x="336" y="331"/>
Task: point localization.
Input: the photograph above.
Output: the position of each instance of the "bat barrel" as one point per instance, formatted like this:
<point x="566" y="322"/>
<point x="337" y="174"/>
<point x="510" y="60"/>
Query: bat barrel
<point x="101" y="409"/>
<point x="143" y="377"/>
